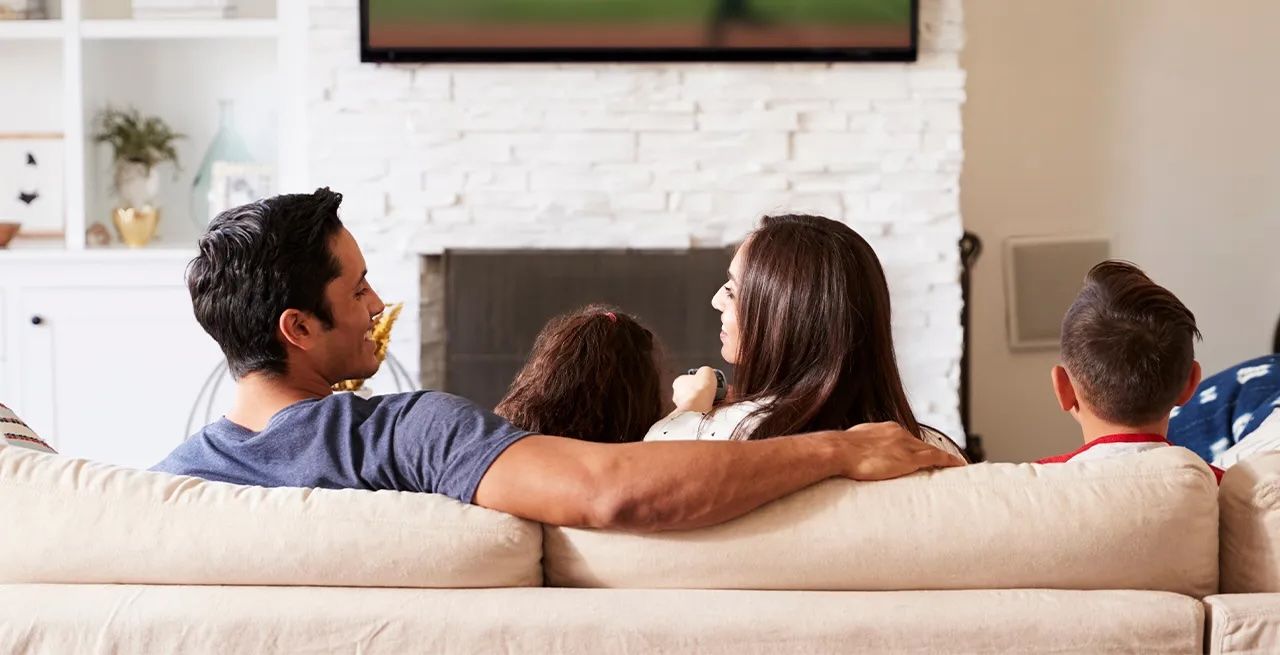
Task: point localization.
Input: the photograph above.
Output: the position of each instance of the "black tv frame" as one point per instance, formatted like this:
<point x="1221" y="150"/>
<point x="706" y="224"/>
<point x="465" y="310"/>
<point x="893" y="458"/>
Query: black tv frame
<point x="528" y="55"/>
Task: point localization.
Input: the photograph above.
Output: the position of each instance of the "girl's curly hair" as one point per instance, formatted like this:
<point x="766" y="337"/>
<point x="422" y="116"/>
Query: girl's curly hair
<point x="593" y="374"/>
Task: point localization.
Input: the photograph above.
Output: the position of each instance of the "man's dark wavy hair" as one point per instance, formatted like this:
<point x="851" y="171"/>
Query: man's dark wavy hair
<point x="256" y="261"/>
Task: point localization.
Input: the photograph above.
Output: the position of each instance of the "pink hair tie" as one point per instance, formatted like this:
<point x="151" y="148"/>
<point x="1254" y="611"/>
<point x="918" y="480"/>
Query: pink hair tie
<point x="612" y="317"/>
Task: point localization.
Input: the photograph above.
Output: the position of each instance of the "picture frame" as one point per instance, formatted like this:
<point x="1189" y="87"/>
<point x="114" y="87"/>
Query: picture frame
<point x="1042" y="275"/>
<point x="232" y="184"/>
<point x="32" y="182"/>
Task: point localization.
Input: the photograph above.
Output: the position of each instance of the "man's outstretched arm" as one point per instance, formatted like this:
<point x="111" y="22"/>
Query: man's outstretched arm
<point x="673" y="485"/>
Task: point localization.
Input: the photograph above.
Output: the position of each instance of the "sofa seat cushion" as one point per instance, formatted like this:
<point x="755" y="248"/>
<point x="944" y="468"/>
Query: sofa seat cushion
<point x="142" y="619"/>
<point x="1243" y="623"/>
<point x="1147" y="521"/>
<point x="70" y="520"/>
<point x="1249" y="503"/>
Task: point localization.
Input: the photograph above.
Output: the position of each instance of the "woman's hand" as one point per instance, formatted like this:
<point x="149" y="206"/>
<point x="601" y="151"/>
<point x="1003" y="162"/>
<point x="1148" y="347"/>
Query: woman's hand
<point x="695" y="393"/>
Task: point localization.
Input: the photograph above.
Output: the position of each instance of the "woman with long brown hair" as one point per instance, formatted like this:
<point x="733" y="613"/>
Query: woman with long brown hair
<point x="805" y="320"/>
<point x="593" y="374"/>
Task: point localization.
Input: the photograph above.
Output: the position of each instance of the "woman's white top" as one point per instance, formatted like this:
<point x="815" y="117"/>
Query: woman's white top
<point x="720" y="423"/>
<point x="715" y="425"/>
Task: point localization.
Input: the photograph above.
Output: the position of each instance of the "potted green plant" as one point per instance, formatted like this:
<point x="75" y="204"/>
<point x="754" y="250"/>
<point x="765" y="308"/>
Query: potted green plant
<point x="139" y="145"/>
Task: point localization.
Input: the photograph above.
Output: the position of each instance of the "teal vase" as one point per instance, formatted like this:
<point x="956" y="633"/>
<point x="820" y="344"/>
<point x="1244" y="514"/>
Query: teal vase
<point x="227" y="146"/>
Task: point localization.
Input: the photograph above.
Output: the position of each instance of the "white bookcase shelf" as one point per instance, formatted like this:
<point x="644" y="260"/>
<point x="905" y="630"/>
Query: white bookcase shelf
<point x="93" y="54"/>
<point x="231" y="28"/>
<point x="20" y="30"/>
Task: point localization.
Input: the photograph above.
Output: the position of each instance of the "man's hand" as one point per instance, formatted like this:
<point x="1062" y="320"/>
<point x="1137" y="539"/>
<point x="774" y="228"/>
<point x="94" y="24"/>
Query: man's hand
<point x="695" y="393"/>
<point x="879" y="451"/>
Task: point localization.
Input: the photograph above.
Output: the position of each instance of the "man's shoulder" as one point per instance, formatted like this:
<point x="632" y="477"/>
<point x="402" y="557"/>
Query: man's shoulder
<point x="427" y="400"/>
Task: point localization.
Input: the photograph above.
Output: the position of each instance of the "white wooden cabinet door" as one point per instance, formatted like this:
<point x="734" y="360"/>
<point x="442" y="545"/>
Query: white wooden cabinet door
<point x="110" y="373"/>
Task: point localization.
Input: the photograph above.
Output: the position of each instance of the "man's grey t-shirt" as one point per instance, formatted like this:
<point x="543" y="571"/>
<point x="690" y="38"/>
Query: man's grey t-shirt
<point x="425" y="441"/>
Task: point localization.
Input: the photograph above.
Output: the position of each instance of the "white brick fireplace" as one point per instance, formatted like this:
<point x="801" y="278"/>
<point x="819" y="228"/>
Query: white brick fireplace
<point x="651" y="155"/>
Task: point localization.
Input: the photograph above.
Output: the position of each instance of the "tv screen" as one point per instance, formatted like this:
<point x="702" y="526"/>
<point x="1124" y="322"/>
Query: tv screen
<point x="637" y="30"/>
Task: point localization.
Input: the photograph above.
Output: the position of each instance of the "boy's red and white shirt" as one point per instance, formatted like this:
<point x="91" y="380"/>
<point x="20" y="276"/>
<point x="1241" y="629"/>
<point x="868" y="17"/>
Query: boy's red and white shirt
<point x="1115" y="445"/>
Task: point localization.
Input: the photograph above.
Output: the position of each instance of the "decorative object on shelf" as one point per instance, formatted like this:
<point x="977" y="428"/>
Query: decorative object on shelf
<point x="22" y="10"/>
<point x="187" y="9"/>
<point x="139" y="144"/>
<point x="7" y="231"/>
<point x="227" y="147"/>
<point x="97" y="235"/>
<point x="31" y="182"/>
<point x="381" y="339"/>
<point x="136" y="225"/>
<point x="234" y="184"/>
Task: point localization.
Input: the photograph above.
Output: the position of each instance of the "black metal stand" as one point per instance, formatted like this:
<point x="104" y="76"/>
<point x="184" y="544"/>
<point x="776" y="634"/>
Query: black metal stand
<point x="970" y="250"/>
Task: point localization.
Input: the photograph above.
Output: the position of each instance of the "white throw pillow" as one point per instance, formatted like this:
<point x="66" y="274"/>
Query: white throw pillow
<point x="13" y="432"/>
<point x="1264" y="439"/>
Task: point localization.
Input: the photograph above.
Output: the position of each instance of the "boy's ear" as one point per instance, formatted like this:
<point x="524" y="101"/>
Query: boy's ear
<point x="1064" y="390"/>
<point x="1193" y="381"/>
<point x="295" y="328"/>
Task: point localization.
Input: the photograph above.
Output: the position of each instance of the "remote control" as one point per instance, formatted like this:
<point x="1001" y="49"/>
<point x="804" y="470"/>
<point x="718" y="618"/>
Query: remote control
<point x="722" y="386"/>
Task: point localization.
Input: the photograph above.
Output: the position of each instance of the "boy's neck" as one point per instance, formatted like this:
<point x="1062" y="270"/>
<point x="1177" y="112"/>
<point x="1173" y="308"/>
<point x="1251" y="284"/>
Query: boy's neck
<point x="1094" y="427"/>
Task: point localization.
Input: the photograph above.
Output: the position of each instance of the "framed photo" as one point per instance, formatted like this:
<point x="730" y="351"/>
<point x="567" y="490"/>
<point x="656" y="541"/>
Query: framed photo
<point x="232" y="184"/>
<point x="1042" y="275"/>
<point x="31" y="183"/>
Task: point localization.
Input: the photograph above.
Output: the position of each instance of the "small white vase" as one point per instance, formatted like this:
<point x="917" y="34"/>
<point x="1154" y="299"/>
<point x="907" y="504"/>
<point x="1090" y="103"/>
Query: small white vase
<point x="136" y="183"/>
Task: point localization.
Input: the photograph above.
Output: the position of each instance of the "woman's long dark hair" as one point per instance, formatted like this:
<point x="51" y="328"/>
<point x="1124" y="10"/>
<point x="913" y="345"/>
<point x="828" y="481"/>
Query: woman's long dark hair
<point x="815" y="343"/>
<point x="593" y="374"/>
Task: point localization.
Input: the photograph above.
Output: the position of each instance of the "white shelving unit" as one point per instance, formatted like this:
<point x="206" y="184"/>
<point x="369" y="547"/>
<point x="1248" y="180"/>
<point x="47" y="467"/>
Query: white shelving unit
<point x="91" y="54"/>
<point x="88" y="333"/>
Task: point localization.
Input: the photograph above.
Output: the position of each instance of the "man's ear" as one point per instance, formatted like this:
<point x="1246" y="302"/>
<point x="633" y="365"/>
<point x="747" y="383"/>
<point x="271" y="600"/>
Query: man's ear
<point x="1064" y="390"/>
<point x="1193" y="381"/>
<point x="296" y="328"/>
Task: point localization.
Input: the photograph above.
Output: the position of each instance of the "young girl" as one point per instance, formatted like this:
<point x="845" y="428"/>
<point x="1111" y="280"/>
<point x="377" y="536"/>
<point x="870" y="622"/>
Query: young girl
<point x="593" y="374"/>
<point x="805" y="321"/>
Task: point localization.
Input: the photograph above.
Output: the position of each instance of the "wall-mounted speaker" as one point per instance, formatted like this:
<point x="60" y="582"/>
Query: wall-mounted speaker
<point x="1042" y="275"/>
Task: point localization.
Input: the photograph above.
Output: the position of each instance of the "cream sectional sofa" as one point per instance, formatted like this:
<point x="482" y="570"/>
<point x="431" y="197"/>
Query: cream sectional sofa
<point x="1119" y="555"/>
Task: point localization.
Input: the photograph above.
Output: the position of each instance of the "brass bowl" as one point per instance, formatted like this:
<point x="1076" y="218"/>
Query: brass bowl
<point x="136" y="225"/>
<point x="7" y="232"/>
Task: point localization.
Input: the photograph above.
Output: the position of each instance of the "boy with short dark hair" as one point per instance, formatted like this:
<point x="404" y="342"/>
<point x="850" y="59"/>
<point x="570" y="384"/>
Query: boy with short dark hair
<point x="1128" y="358"/>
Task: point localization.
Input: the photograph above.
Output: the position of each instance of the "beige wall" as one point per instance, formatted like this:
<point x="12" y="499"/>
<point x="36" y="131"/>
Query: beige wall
<point x="1156" y="122"/>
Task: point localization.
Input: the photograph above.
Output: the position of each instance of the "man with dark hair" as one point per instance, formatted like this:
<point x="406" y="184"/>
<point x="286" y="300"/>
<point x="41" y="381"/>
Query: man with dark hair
<point x="280" y="285"/>
<point x="1128" y="358"/>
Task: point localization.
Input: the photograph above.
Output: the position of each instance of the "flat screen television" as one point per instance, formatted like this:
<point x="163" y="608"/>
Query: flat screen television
<point x="637" y="30"/>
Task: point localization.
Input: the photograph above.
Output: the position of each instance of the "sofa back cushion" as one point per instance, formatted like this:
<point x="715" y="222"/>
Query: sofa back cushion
<point x="1250" y="505"/>
<point x="69" y="520"/>
<point x="1147" y="521"/>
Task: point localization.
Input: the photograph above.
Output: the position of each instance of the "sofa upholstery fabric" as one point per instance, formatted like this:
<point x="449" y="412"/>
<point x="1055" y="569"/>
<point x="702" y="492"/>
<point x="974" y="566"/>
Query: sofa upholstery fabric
<point x="1147" y="521"/>
<point x="146" y="619"/>
<point x="1249" y="502"/>
<point x="70" y="520"/>
<point x="1243" y="624"/>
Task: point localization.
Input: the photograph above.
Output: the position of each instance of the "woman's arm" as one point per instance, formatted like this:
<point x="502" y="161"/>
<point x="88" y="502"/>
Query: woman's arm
<point x="651" y="486"/>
